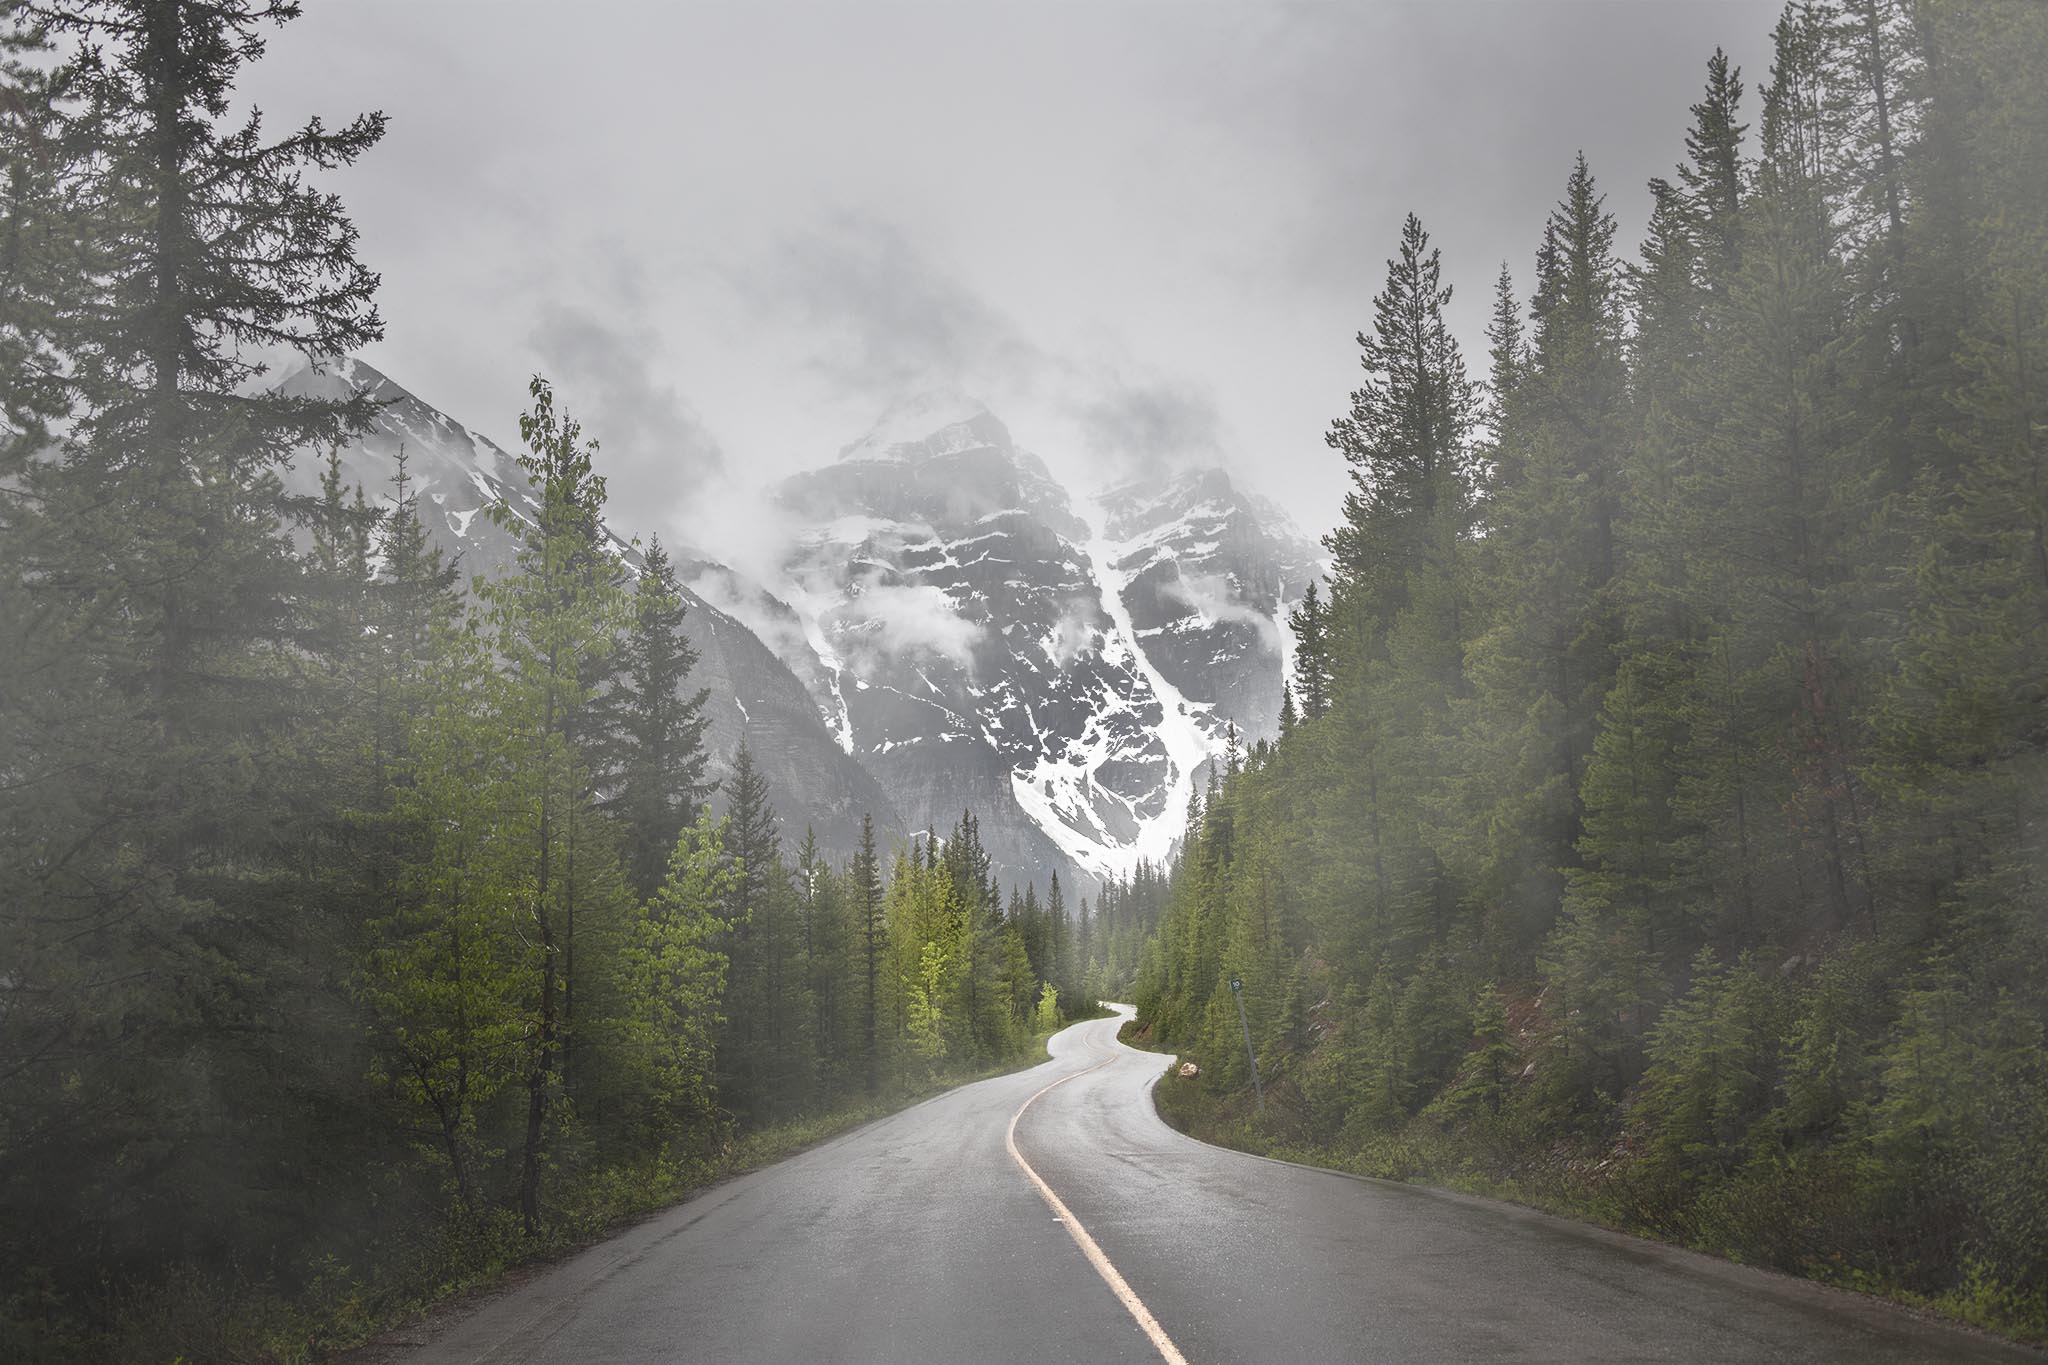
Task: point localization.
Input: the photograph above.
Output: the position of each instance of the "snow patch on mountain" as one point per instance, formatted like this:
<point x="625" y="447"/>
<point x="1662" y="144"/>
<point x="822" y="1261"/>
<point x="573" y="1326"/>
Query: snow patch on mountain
<point x="1189" y="744"/>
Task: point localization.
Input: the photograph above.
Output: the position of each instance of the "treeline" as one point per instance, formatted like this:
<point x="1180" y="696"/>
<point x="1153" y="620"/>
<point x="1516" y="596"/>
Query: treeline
<point x="1657" y="830"/>
<point x="360" y="932"/>
<point x="1112" y="939"/>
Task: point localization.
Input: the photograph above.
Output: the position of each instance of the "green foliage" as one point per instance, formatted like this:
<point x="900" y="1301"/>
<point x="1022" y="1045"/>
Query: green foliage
<point x="1047" y="1017"/>
<point x="651" y="727"/>
<point x="1712" y="1078"/>
<point x="361" y="937"/>
<point x="1656" y="836"/>
<point x="1654" y="831"/>
<point x="1482" y="1082"/>
<point x="673" y="981"/>
<point x="925" y="1005"/>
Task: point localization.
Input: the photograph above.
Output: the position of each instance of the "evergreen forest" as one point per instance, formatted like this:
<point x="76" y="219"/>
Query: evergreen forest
<point x="363" y="932"/>
<point x="1657" y="832"/>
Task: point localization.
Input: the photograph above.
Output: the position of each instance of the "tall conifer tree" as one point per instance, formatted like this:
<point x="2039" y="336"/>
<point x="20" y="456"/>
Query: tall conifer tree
<point x="654" y="739"/>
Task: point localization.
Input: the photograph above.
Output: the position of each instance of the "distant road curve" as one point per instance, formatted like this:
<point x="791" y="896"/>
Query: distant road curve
<point x="960" y="1231"/>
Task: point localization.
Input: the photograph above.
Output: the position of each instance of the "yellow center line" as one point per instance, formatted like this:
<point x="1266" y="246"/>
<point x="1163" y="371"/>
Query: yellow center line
<point x="1116" y="1282"/>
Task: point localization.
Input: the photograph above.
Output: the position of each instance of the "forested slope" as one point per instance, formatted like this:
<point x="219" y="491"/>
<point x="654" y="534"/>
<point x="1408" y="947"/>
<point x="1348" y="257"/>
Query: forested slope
<point x="1658" y="826"/>
<point x="360" y="935"/>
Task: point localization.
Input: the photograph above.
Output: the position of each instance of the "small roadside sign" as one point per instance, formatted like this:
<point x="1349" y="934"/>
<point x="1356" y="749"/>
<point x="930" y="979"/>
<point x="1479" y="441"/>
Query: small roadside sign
<point x="1237" y="994"/>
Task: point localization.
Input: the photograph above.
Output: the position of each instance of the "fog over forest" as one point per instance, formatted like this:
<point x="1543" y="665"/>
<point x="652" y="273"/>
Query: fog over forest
<point x="772" y="682"/>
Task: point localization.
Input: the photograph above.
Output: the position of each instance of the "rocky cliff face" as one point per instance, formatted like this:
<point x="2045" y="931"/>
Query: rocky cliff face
<point x="976" y="640"/>
<point x="1208" y="573"/>
<point x="948" y="629"/>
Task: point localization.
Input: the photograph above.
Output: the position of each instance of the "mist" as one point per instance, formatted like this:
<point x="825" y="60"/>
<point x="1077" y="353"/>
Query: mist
<point x="1141" y="239"/>
<point x="764" y="683"/>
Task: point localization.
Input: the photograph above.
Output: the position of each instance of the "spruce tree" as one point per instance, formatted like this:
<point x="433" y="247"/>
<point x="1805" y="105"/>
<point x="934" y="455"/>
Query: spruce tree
<point x="46" y="246"/>
<point x="1712" y="174"/>
<point x="149" y="246"/>
<point x="555" y="619"/>
<point x="766" y="1050"/>
<point x="1313" y="664"/>
<point x="1507" y="352"/>
<point x="445" y="976"/>
<point x="832" y="968"/>
<point x="864" y="878"/>
<point x="672" y="978"/>
<point x="654" y="728"/>
<point x="1406" y="440"/>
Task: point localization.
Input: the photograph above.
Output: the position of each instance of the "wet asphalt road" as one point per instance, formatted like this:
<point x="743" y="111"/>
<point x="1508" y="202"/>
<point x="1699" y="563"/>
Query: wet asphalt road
<point x="919" y="1238"/>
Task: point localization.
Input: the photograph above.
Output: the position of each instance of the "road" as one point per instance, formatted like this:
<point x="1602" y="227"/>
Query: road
<point x="925" y="1237"/>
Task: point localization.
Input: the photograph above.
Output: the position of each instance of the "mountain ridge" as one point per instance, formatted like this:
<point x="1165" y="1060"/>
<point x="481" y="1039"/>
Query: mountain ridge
<point x="946" y="630"/>
<point x="1066" y="668"/>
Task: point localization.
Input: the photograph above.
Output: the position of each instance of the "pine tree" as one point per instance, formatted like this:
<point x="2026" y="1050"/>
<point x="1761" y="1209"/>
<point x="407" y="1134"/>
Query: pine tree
<point x="1956" y="723"/>
<point x="766" y="1053"/>
<point x="975" y="951"/>
<point x="1313" y="663"/>
<point x="1870" y="62"/>
<point x="415" y="603"/>
<point x="1507" y="352"/>
<point x="259" y="258"/>
<point x="866" y="902"/>
<point x="1667" y="295"/>
<point x="1057" y="967"/>
<point x="555" y="619"/>
<point x="46" y="247"/>
<point x="1406" y="439"/>
<point x="1734" y="812"/>
<point x="1712" y="173"/>
<point x="655" y="731"/>
<point x="830" y="962"/>
<point x="1576" y="352"/>
<point x="157" y="751"/>
<point x="1783" y="475"/>
<point x="1544" y="660"/>
<point x="445" y="979"/>
<point x="673" y="978"/>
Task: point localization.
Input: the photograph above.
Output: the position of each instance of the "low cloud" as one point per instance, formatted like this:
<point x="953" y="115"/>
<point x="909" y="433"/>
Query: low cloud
<point x="881" y="319"/>
<point x="885" y="317"/>
<point x="1075" y="633"/>
<point x="1152" y="427"/>
<point x="748" y="603"/>
<point x="897" y="620"/>
<point x="738" y="523"/>
<point x="1214" y="598"/>
<point x="608" y="373"/>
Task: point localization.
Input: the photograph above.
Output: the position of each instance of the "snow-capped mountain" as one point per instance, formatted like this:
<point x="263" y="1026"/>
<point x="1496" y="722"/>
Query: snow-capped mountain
<point x="1208" y="573"/>
<point x="948" y="630"/>
<point x="977" y="642"/>
<point x="455" y="473"/>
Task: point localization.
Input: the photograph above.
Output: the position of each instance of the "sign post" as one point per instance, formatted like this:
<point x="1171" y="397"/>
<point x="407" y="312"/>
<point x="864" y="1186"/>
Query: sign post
<point x="1237" y="993"/>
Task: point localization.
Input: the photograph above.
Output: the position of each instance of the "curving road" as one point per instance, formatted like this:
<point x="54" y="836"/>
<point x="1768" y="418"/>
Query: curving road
<point x="927" y="1237"/>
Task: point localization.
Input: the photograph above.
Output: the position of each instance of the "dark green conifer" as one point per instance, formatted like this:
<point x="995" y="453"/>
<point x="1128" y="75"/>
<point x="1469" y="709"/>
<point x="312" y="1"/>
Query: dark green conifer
<point x="652" y="745"/>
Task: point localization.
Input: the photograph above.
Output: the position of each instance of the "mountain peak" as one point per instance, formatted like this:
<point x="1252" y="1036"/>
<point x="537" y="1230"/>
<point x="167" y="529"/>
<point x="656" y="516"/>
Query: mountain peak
<point x="936" y="422"/>
<point x="1209" y="481"/>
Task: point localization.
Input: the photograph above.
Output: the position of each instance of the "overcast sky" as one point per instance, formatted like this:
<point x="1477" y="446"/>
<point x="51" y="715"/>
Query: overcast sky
<point x="1142" y="232"/>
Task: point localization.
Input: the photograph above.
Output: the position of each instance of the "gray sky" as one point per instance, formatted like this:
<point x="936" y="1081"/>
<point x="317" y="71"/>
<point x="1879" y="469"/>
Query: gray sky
<point x="733" y="233"/>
